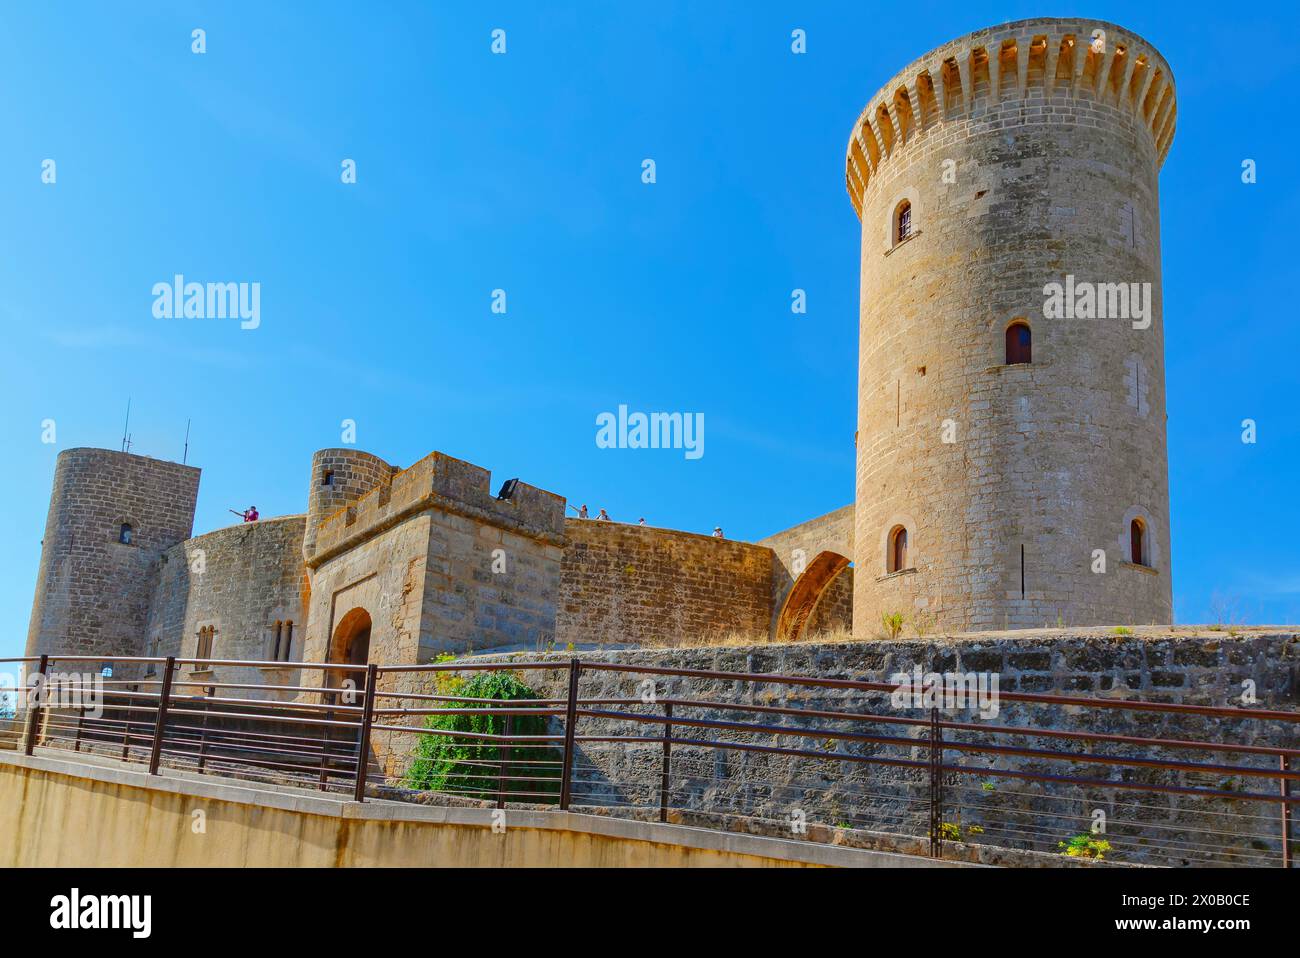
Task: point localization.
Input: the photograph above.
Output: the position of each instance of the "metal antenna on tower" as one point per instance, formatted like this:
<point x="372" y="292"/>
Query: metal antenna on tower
<point x="126" y="442"/>
<point x="186" y="454"/>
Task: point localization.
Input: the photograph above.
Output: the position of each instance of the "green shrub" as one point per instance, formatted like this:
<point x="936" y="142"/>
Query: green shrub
<point x="470" y="767"/>
<point x="1085" y="846"/>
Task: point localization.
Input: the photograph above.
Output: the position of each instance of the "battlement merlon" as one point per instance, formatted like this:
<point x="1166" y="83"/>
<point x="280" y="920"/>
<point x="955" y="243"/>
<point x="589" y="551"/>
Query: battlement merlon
<point x="1025" y="60"/>
<point x="439" y="481"/>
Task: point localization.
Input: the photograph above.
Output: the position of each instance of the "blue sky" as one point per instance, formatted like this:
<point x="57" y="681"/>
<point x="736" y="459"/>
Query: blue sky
<point x="523" y="172"/>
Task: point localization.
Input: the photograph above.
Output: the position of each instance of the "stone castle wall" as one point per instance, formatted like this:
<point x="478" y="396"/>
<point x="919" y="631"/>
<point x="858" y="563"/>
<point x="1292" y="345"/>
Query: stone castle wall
<point x="1209" y="668"/>
<point x="241" y="580"/>
<point x="92" y="590"/>
<point x="439" y="564"/>
<point x="1026" y="156"/>
<point x="640" y="585"/>
<point x="434" y="560"/>
<point x="832" y="532"/>
<point x="833" y="612"/>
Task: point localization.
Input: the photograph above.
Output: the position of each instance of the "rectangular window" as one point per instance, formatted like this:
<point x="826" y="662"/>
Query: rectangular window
<point x="205" y="642"/>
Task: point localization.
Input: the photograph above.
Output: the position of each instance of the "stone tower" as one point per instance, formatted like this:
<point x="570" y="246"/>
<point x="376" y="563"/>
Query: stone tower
<point x="992" y="491"/>
<point x="112" y="515"/>
<point x="339" y="477"/>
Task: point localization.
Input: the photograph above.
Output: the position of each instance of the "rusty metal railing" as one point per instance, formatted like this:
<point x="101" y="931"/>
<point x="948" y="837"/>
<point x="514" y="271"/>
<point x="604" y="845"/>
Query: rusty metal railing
<point x="813" y="758"/>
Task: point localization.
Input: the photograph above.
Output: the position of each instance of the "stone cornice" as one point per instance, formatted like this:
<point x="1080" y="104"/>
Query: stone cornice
<point x="1026" y="60"/>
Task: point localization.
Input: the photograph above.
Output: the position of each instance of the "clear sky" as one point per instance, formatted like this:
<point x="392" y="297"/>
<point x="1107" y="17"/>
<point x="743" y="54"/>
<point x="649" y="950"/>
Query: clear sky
<point x="522" y="172"/>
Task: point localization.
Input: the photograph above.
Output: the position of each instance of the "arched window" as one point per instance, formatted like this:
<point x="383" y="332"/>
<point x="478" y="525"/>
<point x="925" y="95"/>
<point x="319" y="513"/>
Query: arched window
<point x="281" y="641"/>
<point x="1137" y="542"/>
<point x="896" y="560"/>
<point x="124" y="534"/>
<point x="903" y="221"/>
<point x="1019" y="344"/>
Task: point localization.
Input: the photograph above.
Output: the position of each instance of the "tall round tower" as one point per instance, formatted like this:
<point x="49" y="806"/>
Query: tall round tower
<point x="112" y="516"/>
<point x="1011" y="457"/>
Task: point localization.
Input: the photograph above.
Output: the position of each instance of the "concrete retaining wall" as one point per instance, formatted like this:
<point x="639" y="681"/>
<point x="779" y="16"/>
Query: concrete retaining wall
<point x="55" y="813"/>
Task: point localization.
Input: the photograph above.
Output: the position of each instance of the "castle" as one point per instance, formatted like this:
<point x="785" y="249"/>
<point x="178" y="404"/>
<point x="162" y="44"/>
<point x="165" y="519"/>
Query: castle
<point x="1011" y="458"/>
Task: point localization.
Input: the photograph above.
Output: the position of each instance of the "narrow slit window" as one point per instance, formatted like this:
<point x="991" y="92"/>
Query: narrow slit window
<point x="125" y="534"/>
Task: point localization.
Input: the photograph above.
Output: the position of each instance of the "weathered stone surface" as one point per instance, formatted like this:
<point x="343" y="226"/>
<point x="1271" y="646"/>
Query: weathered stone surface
<point x="795" y="552"/>
<point x="92" y="590"/>
<point x="242" y="581"/>
<point x="1026" y="156"/>
<point x="438" y="564"/>
<point x="639" y="585"/>
<point x="1144" y="827"/>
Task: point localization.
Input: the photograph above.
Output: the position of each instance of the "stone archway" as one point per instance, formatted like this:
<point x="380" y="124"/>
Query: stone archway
<point x="806" y="592"/>
<point x="350" y="645"/>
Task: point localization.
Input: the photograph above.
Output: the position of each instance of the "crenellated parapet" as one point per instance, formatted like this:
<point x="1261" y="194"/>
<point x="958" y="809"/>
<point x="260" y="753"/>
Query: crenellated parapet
<point x="442" y="483"/>
<point x="1041" y="64"/>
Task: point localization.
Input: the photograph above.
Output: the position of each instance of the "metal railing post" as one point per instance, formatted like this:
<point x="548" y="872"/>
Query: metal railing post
<point x="43" y="716"/>
<point x="160" y="719"/>
<point x="570" y="720"/>
<point x="203" y="739"/>
<point x="363" y="742"/>
<point x="35" y="701"/>
<point x="503" y="776"/>
<point x="126" y="731"/>
<point x="667" y="761"/>
<point x="936" y="786"/>
<point x="325" y="740"/>
<point x="1286" y="811"/>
